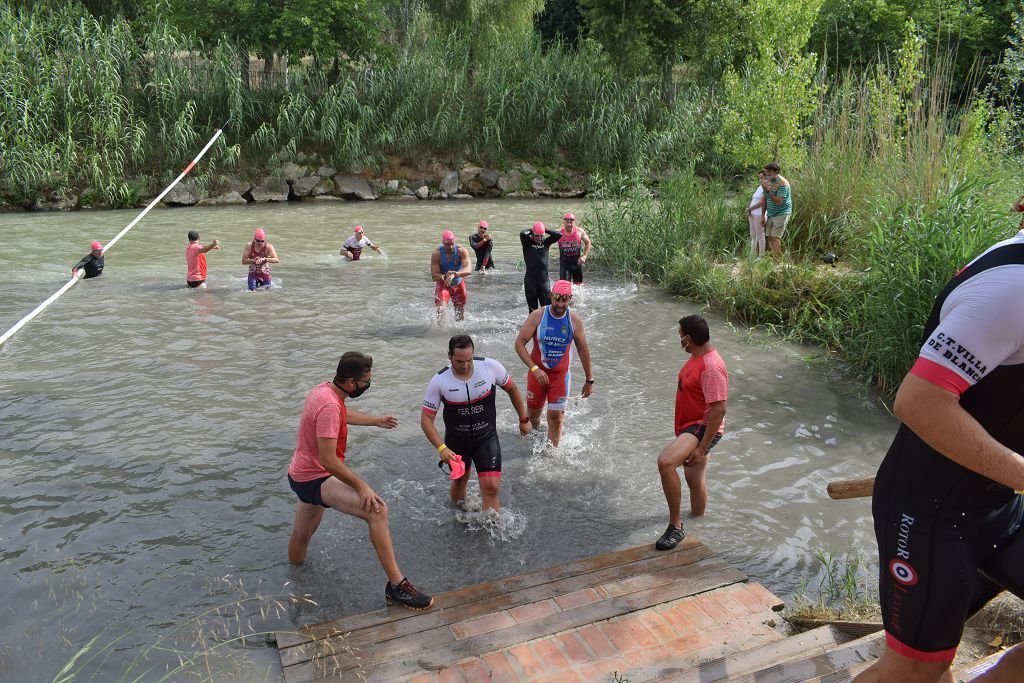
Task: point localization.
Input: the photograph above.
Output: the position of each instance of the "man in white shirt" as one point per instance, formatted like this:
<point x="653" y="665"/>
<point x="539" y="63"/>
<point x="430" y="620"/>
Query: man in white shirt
<point x="353" y="247"/>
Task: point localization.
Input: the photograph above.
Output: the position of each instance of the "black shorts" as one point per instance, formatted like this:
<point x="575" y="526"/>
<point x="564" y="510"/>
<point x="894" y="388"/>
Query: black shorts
<point x="194" y="283"/>
<point x="938" y="567"/>
<point x="698" y="431"/>
<point x="309" y="491"/>
<point x="570" y="270"/>
<point x="538" y="291"/>
<point x="485" y="455"/>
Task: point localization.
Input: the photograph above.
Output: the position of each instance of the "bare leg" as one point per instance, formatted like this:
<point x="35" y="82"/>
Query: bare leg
<point x="669" y="460"/>
<point x="535" y="416"/>
<point x="698" y="486"/>
<point x="892" y="666"/>
<point x="307" y="519"/>
<point x="460" y="313"/>
<point x="459" y="486"/>
<point x="344" y="498"/>
<point x="489" y="492"/>
<point x="556" y="419"/>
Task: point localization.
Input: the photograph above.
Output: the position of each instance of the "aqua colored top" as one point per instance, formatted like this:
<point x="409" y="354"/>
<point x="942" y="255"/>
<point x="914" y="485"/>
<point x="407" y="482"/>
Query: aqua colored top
<point x="786" y="207"/>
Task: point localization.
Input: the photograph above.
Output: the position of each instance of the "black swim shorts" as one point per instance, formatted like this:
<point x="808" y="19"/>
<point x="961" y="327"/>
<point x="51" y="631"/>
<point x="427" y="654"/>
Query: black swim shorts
<point x="309" y="491"/>
<point x="194" y="283"/>
<point x="485" y="455"/>
<point x="698" y="431"/>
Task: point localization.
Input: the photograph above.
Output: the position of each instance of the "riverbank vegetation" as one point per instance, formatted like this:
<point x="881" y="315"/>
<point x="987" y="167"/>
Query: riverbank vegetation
<point x="897" y="124"/>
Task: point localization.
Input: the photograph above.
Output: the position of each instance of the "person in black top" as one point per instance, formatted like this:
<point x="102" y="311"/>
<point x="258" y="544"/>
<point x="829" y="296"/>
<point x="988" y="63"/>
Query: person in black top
<point x="482" y="245"/>
<point x="91" y="262"/>
<point x="536" y="242"/>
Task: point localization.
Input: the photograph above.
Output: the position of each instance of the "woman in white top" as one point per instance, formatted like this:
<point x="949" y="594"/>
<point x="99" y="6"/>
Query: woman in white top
<point x="754" y="213"/>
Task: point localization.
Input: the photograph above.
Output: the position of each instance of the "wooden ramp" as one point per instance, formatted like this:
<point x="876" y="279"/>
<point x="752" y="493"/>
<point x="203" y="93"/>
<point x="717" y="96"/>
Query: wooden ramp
<point x="638" y="613"/>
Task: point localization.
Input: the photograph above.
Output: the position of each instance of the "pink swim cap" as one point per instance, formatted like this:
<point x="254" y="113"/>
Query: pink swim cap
<point x="570" y="217"/>
<point x="563" y="287"/>
<point x="538" y="228"/>
<point x="447" y="236"/>
<point x="458" y="467"/>
<point x="96" y="245"/>
<point x="483" y="224"/>
<point x="359" y="228"/>
<point x="259" y="234"/>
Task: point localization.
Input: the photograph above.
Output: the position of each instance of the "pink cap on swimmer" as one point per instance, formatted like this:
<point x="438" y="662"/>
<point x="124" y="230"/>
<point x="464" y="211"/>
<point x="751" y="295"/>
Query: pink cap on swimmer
<point x="570" y="217"/>
<point x="483" y="224"/>
<point x="447" y="236"/>
<point x="458" y="467"/>
<point x="359" y="228"/>
<point x="538" y="228"/>
<point x="95" y="245"/>
<point x="563" y="287"/>
<point x="259" y="234"/>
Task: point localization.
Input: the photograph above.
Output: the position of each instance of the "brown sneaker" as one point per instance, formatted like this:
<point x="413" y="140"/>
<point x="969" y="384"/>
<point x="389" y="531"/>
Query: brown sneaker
<point x="406" y="595"/>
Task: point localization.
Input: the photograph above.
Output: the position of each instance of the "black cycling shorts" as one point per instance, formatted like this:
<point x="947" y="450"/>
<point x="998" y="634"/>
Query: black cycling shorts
<point x="938" y="567"/>
<point x="570" y="270"/>
<point x="485" y="455"/>
<point x="309" y="491"/>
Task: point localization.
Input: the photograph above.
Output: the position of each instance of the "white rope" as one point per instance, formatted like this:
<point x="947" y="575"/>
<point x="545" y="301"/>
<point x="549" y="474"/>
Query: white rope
<point x="77" y="276"/>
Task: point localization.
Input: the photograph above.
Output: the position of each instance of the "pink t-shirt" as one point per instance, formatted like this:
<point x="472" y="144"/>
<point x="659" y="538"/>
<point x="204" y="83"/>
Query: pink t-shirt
<point x="702" y="381"/>
<point x="196" y="262"/>
<point x="323" y="416"/>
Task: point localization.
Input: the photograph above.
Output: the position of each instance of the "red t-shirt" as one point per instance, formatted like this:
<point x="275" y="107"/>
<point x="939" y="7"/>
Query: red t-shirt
<point x="195" y="262"/>
<point x="702" y="381"/>
<point x="323" y="416"/>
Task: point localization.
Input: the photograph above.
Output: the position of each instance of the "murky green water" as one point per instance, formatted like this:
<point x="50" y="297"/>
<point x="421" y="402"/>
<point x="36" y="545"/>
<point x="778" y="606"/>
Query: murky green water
<point x="145" y="430"/>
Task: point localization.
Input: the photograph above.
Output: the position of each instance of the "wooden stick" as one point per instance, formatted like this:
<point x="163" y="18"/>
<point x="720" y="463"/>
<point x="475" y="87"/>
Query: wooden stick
<point x="840" y="489"/>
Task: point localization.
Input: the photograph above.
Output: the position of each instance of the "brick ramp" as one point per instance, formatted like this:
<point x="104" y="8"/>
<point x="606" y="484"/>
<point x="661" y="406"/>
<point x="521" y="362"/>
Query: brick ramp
<point x="638" y="612"/>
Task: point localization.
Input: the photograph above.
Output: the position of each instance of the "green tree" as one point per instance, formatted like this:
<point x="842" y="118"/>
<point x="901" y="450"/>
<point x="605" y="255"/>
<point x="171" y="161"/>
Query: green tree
<point x="561" y="20"/>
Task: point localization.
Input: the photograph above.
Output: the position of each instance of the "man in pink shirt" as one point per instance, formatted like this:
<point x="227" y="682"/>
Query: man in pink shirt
<point x="320" y="478"/>
<point x="195" y="260"/>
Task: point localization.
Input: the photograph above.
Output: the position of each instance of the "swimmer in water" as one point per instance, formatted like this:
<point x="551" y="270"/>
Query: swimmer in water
<point x="258" y="255"/>
<point x="536" y="242"/>
<point x="353" y="247"/>
<point x="195" y="260"/>
<point x="449" y="268"/>
<point x="92" y="262"/>
<point x="482" y="244"/>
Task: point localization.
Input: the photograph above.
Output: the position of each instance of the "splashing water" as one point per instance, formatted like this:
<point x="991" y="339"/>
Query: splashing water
<point x="503" y="525"/>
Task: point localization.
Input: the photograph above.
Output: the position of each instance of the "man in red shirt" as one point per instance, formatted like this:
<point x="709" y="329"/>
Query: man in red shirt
<point x="195" y="260"/>
<point x="700" y="421"/>
<point x="320" y="478"/>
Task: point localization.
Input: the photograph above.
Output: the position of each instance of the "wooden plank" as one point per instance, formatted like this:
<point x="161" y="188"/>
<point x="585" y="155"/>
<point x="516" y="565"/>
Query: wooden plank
<point x="422" y="651"/>
<point x="834" y="661"/>
<point x="428" y="621"/>
<point x="854" y="629"/>
<point x="971" y="671"/>
<point x="842" y="676"/>
<point x="738" y="663"/>
<point x="327" y="629"/>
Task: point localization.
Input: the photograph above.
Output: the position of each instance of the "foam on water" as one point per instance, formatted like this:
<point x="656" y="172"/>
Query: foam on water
<point x="503" y="525"/>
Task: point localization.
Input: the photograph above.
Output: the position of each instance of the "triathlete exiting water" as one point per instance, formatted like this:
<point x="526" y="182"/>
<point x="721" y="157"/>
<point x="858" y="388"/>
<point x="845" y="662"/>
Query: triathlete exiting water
<point x="701" y="392"/>
<point x="320" y="478"/>
<point x="482" y="244"/>
<point x="92" y="262"/>
<point x="465" y="389"/>
<point x="570" y="259"/>
<point x="947" y="520"/>
<point x="195" y="260"/>
<point x="258" y="255"/>
<point x="353" y="247"/>
<point x="536" y="242"/>
<point x="449" y="268"/>
<point x="553" y="329"/>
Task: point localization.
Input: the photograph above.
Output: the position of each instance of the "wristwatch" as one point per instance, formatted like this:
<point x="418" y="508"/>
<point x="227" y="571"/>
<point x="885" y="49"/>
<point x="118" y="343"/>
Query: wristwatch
<point x="589" y="381"/>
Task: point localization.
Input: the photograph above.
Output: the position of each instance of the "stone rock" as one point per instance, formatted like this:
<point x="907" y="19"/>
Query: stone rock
<point x="231" y="183"/>
<point x="303" y="187"/>
<point x="292" y="172"/>
<point x="539" y="185"/>
<point x="325" y="186"/>
<point x="469" y="174"/>
<point x="356" y="167"/>
<point x="406" y="197"/>
<point x="488" y="177"/>
<point x="271" y="189"/>
<point x="353" y="188"/>
<point x="60" y="202"/>
<point x="450" y="184"/>
<point x="509" y="182"/>
<point x="326" y="171"/>
<point x="519" y="195"/>
<point x="327" y="198"/>
<point x="527" y="168"/>
<point x="406" y="192"/>
<point x="182" y="194"/>
<point x="462" y="196"/>
<point x="422" y="192"/>
<point x="300" y="157"/>
<point x="392" y="186"/>
<point x="231" y="198"/>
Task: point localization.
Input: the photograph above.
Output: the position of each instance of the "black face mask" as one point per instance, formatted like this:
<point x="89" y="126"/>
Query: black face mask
<point x="359" y="391"/>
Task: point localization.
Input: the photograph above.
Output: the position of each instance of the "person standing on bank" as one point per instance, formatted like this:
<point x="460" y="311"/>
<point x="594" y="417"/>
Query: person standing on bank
<point x="755" y="213"/>
<point x="353" y="247"/>
<point x="195" y="260"/>
<point x="482" y="245"/>
<point x="778" y="207"/>
<point x="570" y="260"/>
<point x="449" y="268"/>
<point x="464" y="390"/>
<point x="554" y="329"/>
<point x="92" y="262"/>
<point x="536" y="242"/>
<point x="701" y="393"/>
<point x="320" y="478"/>
<point x="258" y="255"/>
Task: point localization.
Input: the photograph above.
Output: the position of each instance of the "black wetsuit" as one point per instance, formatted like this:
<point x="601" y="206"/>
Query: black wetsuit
<point x="535" y="257"/>
<point x="482" y="249"/>
<point x="950" y="539"/>
<point x="93" y="265"/>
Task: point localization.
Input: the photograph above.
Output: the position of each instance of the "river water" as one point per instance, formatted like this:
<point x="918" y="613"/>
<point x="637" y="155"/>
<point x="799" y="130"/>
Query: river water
<point x="145" y="430"/>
